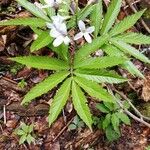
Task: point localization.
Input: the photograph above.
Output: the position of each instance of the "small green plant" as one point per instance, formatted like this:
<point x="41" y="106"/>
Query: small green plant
<point x="25" y="133"/>
<point x="22" y="84"/>
<point x="147" y="148"/>
<point x="76" y="123"/>
<point x="77" y="71"/>
<point x="112" y="119"/>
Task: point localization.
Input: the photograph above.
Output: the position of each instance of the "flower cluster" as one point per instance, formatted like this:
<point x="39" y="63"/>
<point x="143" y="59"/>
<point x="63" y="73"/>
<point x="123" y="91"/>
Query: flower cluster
<point x="58" y="28"/>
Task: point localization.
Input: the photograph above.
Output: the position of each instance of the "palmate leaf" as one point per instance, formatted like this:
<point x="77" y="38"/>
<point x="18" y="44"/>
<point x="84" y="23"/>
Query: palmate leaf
<point x="98" y="63"/>
<point x="130" y="50"/>
<point x="42" y="62"/>
<point x="81" y="15"/>
<point x="33" y="9"/>
<point x="111" y="15"/>
<point x="80" y="105"/>
<point x="89" y="48"/>
<point x="111" y="50"/>
<point x="126" y="23"/>
<point x="30" y="21"/>
<point x="124" y="118"/>
<point x="100" y="76"/>
<point x="96" y="17"/>
<point x="59" y="101"/>
<point x="94" y="89"/>
<point x="134" y="38"/>
<point x="45" y="86"/>
<point x="43" y="40"/>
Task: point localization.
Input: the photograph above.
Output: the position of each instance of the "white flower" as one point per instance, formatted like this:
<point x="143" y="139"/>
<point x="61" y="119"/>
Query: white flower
<point x="52" y="3"/>
<point x="85" y="32"/>
<point x="58" y="31"/>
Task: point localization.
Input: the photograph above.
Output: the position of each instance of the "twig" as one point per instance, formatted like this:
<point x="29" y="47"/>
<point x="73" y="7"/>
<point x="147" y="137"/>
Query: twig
<point x="4" y="114"/>
<point x="142" y="21"/>
<point x="134" y="108"/>
<point x="129" y="113"/>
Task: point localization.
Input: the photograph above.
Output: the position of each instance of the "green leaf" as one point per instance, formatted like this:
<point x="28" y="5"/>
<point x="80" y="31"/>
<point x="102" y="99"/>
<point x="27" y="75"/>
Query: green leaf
<point x="42" y="62"/>
<point x="99" y="63"/>
<point x="124" y="118"/>
<point x="33" y="9"/>
<point x="107" y="121"/>
<point x="43" y="40"/>
<point x="22" y="139"/>
<point x="30" y="129"/>
<point x="30" y="21"/>
<point x="24" y="127"/>
<point x="94" y="89"/>
<point x="130" y="50"/>
<point x="128" y="65"/>
<point x="111" y="134"/>
<point x="100" y="76"/>
<point x="126" y="23"/>
<point x="81" y="15"/>
<point x="20" y="132"/>
<point x="30" y="139"/>
<point x="134" y="38"/>
<point x="102" y="108"/>
<point x="45" y="86"/>
<point x="111" y="15"/>
<point x="80" y="105"/>
<point x="89" y="48"/>
<point x="72" y="127"/>
<point x="61" y="51"/>
<point x="115" y="121"/>
<point x="59" y="101"/>
<point x="96" y="17"/>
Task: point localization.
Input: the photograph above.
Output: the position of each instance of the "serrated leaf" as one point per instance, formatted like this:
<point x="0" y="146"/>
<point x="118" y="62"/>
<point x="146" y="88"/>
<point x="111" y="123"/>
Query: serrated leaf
<point x="100" y="63"/>
<point x="94" y="89"/>
<point x="59" y="101"/>
<point x="45" y="86"/>
<point x="81" y="15"/>
<point x="89" y="48"/>
<point x="128" y="65"/>
<point x="96" y="17"/>
<point x="111" y="15"/>
<point x="33" y="9"/>
<point x="115" y="122"/>
<point x="102" y="108"/>
<point x="43" y="40"/>
<point x="130" y="50"/>
<point x="80" y="105"/>
<point x="100" y="76"/>
<point x="42" y="62"/>
<point x="107" y="121"/>
<point x="30" y="21"/>
<point x="124" y="118"/>
<point x="126" y="23"/>
<point x="134" y="38"/>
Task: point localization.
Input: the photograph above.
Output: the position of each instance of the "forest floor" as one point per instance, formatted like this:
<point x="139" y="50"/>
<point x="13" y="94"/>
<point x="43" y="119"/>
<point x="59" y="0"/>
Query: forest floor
<point x="16" y="80"/>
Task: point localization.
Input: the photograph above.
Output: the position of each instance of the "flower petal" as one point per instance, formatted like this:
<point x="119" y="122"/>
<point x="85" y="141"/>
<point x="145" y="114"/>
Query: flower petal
<point x="78" y="36"/>
<point x="51" y="3"/>
<point x="81" y="25"/>
<point x="67" y="40"/>
<point x="54" y="33"/>
<point x="90" y="29"/>
<point x="87" y="37"/>
<point x="59" y="40"/>
<point x="62" y="27"/>
<point x="58" y="19"/>
<point x="49" y="25"/>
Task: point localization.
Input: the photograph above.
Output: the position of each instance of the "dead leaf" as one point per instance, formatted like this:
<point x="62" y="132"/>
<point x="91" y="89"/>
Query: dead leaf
<point x="146" y="89"/>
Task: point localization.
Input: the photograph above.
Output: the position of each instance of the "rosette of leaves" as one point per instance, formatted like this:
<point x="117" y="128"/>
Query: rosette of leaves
<point x="81" y="73"/>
